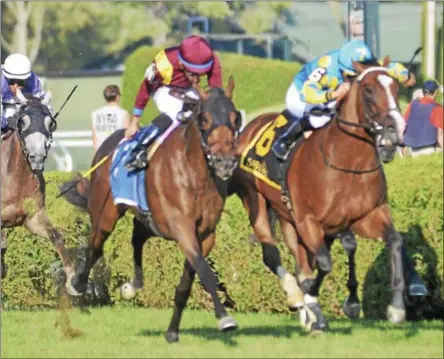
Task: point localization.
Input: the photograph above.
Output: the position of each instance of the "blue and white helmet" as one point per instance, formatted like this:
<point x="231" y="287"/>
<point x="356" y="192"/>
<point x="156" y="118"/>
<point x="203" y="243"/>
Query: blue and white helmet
<point x="354" y="50"/>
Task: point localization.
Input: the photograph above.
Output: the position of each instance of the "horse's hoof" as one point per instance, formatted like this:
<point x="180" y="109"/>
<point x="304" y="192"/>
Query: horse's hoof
<point x="127" y="291"/>
<point x="227" y="324"/>
<point x="70" y="289"/>
<point x="395" y="315"/>
<point x="417" y="288"/>
<point x="351" y="310"/>
<point x="172" y="337"/>
<point x="317" y="329"/>
<point x="311" y="317"/>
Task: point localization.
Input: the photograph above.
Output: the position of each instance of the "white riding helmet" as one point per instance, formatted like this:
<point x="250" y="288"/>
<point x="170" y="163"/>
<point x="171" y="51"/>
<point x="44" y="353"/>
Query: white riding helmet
<point x="17" y="66"/>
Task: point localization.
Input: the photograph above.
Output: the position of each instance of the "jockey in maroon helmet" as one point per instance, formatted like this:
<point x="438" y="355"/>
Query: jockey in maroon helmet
<point x="178" y="66"/>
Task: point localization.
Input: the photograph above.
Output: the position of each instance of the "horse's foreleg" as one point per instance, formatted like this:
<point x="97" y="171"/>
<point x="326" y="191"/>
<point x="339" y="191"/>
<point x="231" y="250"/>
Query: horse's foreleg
<point x="40" y="225"/>
<point x="351" y="306"/>
<point x="295" y="295"/>
<point x="313" y="237"/>
<point x="378" y="225"/>
<point x="259" y="220"/>
<point x="140" y="235"/>
<point x="183" y="291"/>
<point x="416" y="286"/>
<point x="3" y="247"/>
<point x="78" y="283"/>
<point x="190" y="246"/>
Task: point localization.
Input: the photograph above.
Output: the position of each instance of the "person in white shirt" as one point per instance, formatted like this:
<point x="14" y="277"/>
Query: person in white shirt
<point x="109" y="118"/>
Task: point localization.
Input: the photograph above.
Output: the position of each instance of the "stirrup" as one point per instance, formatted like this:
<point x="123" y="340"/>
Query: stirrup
<point x="137" y="160"/>
<point x="281" y="150"/>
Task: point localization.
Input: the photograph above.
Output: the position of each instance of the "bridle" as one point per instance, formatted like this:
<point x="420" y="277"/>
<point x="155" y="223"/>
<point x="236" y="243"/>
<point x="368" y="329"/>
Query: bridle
<point x="28" y="110"/>
<point x="372" y="127"/>
<point x="210" y="156"/>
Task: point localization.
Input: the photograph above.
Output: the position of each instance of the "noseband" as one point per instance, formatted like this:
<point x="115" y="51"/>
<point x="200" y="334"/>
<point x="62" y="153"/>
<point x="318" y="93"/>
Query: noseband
<point x="204" y="134"/>
<point x="28" y="111"/>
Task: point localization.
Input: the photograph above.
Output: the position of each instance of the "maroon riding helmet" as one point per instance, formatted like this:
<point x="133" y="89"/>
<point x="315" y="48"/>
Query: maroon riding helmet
<point x="196" y="55"/>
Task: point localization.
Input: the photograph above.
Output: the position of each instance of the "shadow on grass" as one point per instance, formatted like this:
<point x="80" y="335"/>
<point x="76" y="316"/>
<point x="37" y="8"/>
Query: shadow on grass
<point x="377" y="293"/>
<point x="229" y="338"/>
<point x="410" y="329"/>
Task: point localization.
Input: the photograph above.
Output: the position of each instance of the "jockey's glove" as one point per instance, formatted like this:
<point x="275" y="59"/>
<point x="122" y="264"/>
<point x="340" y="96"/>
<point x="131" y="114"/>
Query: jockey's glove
<point x="184" y="115"/>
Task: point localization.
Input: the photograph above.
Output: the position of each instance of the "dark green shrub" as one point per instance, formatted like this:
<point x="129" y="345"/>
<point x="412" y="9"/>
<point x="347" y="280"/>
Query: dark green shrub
<point x="416" y="198"/>
<point x="259" y="82"/>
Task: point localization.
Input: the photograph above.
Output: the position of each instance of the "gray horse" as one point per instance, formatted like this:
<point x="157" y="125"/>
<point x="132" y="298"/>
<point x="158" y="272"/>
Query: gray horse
<point x="24" y="150"/>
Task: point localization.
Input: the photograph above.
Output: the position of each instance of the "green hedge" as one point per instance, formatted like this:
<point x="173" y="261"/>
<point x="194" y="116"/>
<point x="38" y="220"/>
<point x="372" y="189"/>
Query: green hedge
<point x="416" y="198"/>
<point x="259" y="82"/>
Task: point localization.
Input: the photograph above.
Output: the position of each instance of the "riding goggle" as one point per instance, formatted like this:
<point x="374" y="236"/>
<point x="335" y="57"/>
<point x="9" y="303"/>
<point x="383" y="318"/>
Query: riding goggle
<point x="348" y="73"/>
<point x="19" y="82"/>
<point x="189" y="73"/>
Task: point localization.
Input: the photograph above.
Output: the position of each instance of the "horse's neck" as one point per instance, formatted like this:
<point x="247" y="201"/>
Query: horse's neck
<point x="194" y="151"/>
<point x="345" y="138"/>
<point x="16" y="159"/>
<point x="196" y="159"/>
<point x="14" y="167"/>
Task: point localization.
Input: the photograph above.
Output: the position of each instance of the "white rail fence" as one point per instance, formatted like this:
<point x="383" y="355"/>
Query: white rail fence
<point x="65" y="140"/>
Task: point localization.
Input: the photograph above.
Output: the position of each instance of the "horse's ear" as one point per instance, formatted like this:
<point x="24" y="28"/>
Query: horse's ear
<point x="230" y="88"/>
<point x="386" y="61"/>
<point x="358" y="66"/>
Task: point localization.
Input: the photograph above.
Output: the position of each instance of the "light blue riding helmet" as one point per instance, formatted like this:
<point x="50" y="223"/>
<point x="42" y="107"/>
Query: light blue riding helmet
<point x="354" y="50"/>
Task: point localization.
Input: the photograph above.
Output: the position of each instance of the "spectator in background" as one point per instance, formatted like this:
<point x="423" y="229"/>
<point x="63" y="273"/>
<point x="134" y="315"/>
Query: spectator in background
<point x="108" y="118"/>
<point x="424" y="117"/>
<point x="417" y="94"/>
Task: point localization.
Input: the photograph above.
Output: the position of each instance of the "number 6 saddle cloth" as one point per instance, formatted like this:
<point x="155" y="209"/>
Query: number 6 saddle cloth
<point x="258" y="159"/>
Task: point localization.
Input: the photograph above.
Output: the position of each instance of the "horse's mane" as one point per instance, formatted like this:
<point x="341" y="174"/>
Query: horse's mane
<point x="32" y="100"/>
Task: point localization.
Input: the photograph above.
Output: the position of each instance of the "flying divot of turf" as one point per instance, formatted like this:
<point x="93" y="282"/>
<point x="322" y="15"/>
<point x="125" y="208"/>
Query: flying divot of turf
<point x="63" y="320"/>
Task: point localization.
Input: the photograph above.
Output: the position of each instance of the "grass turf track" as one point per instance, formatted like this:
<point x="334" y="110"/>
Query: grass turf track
<point x="124" y="332"/>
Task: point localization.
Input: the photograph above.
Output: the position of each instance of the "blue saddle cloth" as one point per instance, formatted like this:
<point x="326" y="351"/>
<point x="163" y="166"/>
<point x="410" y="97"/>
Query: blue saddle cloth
<point x="128" y="186"/>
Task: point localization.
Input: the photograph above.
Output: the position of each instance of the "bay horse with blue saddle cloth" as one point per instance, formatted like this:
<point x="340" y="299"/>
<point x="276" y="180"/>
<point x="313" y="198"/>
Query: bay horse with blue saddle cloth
<point x="185" y="191"/>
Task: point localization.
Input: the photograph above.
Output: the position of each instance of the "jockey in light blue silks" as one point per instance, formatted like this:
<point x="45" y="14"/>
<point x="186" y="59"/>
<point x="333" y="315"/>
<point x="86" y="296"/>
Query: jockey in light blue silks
<point x="17" y="75"/>
<point x="319" y="84"/>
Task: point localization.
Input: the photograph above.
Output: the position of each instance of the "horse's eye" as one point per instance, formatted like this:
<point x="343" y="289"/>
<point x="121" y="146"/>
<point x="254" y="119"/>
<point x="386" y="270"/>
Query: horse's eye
<point x="368" y="90"/>
<point x="203" y="121"/>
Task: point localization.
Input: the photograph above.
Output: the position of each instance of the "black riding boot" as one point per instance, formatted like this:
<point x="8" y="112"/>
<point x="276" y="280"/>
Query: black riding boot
<point x="281" y="148"/>
<point x="138" y="157"/>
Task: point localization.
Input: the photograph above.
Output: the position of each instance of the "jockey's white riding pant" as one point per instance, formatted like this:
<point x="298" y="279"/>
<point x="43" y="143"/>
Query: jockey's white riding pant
<point x="169" y="104"/>
<point x="299" y="108"/>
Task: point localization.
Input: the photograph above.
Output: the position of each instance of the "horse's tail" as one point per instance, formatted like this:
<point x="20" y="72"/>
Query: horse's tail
<point x="76" y="191"/>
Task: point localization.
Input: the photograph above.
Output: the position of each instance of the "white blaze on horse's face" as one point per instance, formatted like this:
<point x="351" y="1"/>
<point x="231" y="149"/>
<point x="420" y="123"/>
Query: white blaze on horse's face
<point x="36" y="145"/>
<point x="385" y="82"/>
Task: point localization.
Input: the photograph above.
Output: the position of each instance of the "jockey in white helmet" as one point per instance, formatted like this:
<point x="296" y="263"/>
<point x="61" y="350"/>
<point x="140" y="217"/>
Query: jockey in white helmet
<point x="17" y="74"/>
